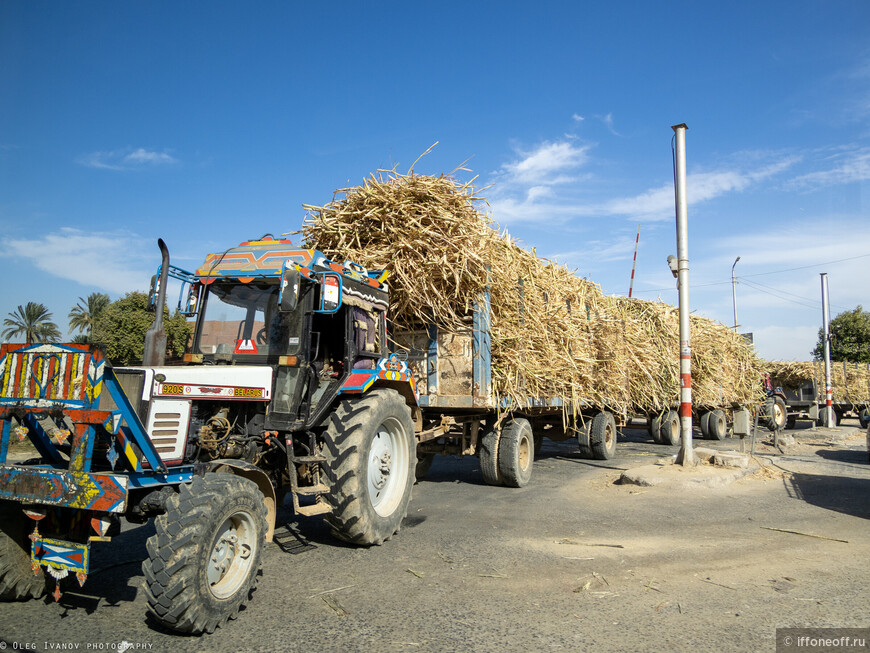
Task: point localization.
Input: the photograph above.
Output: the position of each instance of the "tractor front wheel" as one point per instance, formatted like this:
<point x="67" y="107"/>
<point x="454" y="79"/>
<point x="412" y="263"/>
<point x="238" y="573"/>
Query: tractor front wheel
<point x="205" y="556"/>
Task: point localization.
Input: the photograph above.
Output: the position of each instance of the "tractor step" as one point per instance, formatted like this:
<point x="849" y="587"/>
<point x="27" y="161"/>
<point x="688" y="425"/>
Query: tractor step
<point x="313" y="490"/>
<point x="308" y="460"/>
<point x="313" y="509"/>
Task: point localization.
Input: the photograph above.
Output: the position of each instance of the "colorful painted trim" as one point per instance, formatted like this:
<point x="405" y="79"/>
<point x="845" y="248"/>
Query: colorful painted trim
<point x="59" y="554"/>
<point x="40" y="376"/>
<point x="82" y="490"/>
<point x="387" y="369"/>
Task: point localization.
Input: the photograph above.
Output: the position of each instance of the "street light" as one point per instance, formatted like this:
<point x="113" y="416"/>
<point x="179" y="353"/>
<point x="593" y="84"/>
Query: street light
<point x="734" y="291"/>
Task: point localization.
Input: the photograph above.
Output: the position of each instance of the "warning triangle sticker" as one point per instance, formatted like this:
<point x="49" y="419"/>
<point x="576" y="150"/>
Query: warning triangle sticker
<point x="245" y="347"/>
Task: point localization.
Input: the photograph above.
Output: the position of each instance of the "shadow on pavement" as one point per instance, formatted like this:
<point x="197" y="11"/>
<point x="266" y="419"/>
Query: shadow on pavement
<point x="844" y="494"/>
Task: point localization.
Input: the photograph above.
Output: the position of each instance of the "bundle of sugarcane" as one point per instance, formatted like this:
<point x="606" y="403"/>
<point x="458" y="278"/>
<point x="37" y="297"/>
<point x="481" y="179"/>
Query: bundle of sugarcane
<point x="850" y="382"/>
<point x="553" y="334"/>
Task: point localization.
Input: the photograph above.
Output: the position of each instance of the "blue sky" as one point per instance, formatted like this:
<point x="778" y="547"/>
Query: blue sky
<point x="208" y="123"/>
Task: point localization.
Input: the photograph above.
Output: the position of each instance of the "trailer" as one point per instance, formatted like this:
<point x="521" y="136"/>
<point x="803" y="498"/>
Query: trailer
<point x="461" y="415"/>
<point x="805" y="398"/>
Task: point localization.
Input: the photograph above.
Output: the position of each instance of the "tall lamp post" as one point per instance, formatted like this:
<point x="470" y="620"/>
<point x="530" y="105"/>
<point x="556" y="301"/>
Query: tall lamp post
<point x="734" y="291"/>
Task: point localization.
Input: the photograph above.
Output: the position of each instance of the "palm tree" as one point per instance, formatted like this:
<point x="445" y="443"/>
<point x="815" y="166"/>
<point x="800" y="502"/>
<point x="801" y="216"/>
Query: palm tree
<point x="33" y="321"/>
<point x="84" y="314"/>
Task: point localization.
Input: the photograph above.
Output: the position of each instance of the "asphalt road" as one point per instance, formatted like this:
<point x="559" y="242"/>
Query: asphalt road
<point x="571" y="562"/>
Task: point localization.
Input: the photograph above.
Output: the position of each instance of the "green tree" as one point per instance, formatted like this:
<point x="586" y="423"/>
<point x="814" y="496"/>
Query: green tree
<point x="121" y="328"/>
<point x="33" y="321"/>
<point x="850" y="337"/>
<point x="84" y="314"/>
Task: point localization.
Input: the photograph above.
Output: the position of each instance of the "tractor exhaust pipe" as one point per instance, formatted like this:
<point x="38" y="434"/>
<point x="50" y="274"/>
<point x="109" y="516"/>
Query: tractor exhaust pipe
<point x="154" y="354"/>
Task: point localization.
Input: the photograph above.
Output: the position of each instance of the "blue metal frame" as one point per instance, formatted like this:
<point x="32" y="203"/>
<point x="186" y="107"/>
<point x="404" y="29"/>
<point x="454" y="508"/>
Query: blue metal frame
<point x="481" y="374"/>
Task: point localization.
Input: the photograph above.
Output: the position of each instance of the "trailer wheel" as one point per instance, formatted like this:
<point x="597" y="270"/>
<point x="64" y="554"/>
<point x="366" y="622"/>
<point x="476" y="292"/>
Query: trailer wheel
<point x="372" y="455"/>
<point x="654" y="423"/>
<point x="488" y="455"/>
<point x="516" y="453"/>
<point x="790" y="422"/>
<point x="717" y="425"/>
<point x="669" y="433"/>
<point x="776" y="413"/>
<point x="864" y="418"/>
<point x="17" y="580"/>
<point x="205" y="556"/>
<point x="602" y="436"/>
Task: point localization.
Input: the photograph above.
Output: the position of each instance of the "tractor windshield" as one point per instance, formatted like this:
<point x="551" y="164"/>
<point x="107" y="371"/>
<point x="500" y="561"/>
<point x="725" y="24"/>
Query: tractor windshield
<point x="243" y="319"/>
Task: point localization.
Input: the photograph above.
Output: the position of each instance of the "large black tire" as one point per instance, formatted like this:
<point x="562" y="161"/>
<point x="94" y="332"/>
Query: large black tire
<point x="669" y="433"/>
<point x="584" y="428"/>
<point x="654" y="423"/>
<point x="516" y="453"/>
<point x="205" y="556"/>
<point x="836" y="417"/>
<point x="717" y="425"/>
<point x="790" y="422"/>
<point x="371" y="455"/>
<point x="775" y="413"/>
<point x="17" y="580"/>
<point x="864" y="418"/>
<point x="602" y="436"/>
<point x="705" y="424"/>
<point x="488" y="454"/>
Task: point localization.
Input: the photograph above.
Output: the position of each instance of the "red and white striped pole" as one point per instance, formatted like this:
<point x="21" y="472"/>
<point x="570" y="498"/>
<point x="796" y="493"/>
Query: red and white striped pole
<point x="686" y="456"/>
<point x="634" y="262"/>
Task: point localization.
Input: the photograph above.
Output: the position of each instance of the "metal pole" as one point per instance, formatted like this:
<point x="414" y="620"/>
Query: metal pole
<point x="634" y="262"/>
<point x="828" y="419"/>
<point x="734" y="292"/>
<point x="686" y="456"/>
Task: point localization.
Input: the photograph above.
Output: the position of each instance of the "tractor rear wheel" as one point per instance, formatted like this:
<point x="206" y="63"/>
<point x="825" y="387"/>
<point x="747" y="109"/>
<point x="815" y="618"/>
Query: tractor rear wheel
<point x="371" y="455"/>
<point x="205" y="556"/>
<point x="17" y="580"/>
<point x="776" y="413"/>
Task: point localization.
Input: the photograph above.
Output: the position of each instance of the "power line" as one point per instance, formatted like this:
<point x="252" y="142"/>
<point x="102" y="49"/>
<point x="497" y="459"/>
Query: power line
<point x="760" y="274"/>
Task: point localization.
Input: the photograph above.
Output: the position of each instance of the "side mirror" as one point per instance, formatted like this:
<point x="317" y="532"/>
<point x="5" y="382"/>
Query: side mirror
<point x="190" y="305"/>
<point x="330" y="293"/>
<point x="288" y="295"/>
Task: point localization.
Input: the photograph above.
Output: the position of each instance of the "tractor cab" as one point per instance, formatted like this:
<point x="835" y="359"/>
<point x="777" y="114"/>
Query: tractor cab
<point x="313" y="321"/>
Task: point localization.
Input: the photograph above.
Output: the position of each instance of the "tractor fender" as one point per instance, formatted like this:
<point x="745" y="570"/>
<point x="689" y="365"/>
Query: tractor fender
<point x="258" y="477"/>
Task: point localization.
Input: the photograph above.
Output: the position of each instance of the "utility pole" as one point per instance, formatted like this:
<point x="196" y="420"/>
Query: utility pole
<point x="828" y="419"/>
<point x="734" y="292"/>
<point x="686" y="456"/>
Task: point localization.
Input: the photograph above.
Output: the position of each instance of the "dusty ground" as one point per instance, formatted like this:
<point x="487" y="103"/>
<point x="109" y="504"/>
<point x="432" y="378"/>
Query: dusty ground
<point x="570" y="562"/>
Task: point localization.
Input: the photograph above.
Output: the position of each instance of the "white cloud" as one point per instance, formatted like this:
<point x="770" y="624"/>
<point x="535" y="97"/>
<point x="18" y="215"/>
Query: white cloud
<point x="527" y="190"/>
<point x="87" y="258"/>
<point x="546" y="165"/>
<point x="127" y="159"/>
<point x="849" y="167"/>
<point x="577" y="117"/>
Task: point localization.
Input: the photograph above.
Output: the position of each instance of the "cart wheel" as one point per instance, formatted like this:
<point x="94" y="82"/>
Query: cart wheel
<point x="655" y="427"/>
<point x="670" y="431"/>
<point x="717" y="425"/>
